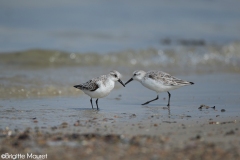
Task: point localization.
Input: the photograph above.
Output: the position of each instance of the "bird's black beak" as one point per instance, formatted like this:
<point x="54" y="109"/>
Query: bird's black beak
<point x="121" y="82"/>
<point x="128" y="81"/>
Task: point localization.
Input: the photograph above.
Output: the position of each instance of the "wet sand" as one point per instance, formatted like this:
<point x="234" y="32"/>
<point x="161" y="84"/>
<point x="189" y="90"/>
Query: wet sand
<point x="65" y="127"/>
<point x="125" y="141"/>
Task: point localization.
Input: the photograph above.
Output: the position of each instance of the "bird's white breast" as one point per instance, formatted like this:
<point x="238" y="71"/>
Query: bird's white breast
<point x="104" y="89"/>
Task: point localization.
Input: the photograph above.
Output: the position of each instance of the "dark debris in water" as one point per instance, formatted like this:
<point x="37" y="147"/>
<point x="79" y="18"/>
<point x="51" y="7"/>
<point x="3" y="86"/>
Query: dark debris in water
<point x="203" y="106"/>
<point x="223" y="110"/>
<point x="132" y="116"/>
<point x="169" y="121"/>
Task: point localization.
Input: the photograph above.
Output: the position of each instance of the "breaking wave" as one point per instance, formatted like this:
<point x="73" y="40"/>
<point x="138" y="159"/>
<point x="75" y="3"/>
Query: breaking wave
<point x="205" y="58"/>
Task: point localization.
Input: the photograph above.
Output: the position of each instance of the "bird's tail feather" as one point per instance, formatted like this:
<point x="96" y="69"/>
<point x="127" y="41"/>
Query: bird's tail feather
<point x="79" y="86"/>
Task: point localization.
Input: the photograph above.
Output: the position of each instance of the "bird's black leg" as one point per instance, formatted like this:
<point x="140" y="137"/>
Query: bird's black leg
<point x="151" y="101"/>
<point x="97" y="103"/>
<point x="91" y="102"/>
<point x="169" y="96"/>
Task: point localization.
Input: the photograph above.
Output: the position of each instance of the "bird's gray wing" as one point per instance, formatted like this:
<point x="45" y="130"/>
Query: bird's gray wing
<point x="90" y="85"/>
<point x="166" y="78"/>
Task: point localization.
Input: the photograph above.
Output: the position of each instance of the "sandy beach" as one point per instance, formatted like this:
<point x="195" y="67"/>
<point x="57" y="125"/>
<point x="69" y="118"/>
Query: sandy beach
<point x="128" y="141"/>
<point x="47" y="47"/>
<point x="124" y="129"/>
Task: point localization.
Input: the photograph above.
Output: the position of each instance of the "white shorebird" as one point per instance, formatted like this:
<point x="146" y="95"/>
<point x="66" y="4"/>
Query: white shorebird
<point x="101" y="86"/>
<point x="158" y="81"/>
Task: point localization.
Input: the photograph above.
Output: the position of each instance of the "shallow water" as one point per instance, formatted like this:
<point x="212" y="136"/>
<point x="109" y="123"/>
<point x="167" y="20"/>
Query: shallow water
<point x="123" y="105"/>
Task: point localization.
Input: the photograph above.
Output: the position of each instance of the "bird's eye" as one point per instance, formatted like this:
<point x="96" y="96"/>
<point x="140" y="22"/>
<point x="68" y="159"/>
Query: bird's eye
<point x="115" y="75"/>
<point x="135" y="74"/>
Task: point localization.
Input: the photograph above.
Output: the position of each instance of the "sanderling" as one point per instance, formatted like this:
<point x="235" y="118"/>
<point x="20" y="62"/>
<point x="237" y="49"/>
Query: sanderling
<point x="158" y="81"/>
<point x="101" y="86"/>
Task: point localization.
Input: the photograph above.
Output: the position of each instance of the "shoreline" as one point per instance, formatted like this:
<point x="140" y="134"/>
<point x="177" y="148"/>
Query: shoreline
<point x="123" y="128"/>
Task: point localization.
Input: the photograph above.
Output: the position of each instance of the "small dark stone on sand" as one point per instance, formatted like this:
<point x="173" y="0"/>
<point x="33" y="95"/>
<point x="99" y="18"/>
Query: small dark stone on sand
<point x="16" y="143"/>
<point x="112" y="138"/>
<point x="54" y="128"/>
<point x="230" y="133"/>
<point x="23" y="136"/>
<point x="77" y="123"/>
<point x="58" y="138"/>
<point x="74" y="136"/>
<point x="198" y="137"/>
<point x="132" y="116"/>
<point x="223" y="110"/>
<point x="169" y="122"/>
<point x="64" y="123"/>
<point x="227" y="122"/>
<point x="213" y="122"/>
<point x="90" y="136"/>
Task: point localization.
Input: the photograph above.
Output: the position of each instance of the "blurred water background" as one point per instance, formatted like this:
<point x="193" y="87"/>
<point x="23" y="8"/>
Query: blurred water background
<point x="48" y="46"/>
<point x="109" y="26"/>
